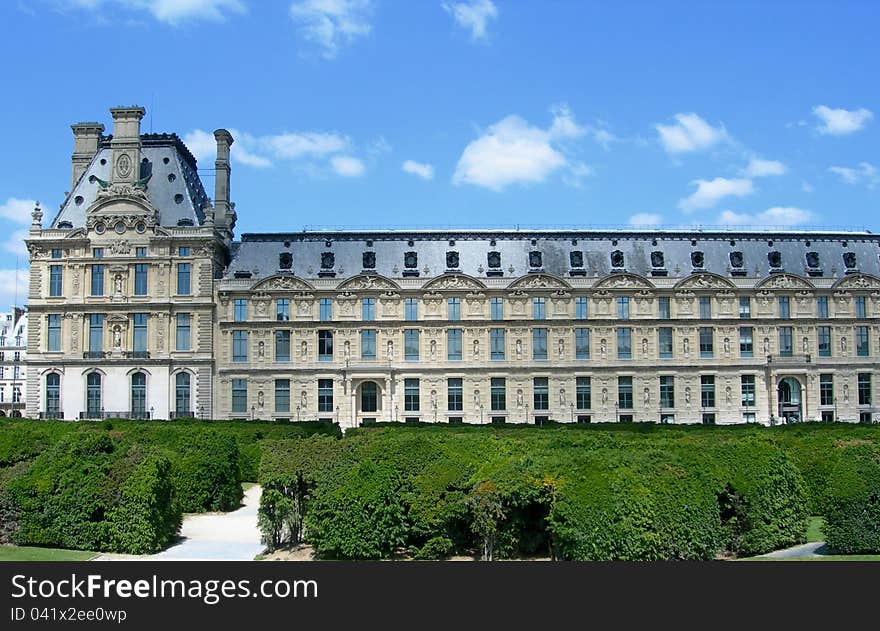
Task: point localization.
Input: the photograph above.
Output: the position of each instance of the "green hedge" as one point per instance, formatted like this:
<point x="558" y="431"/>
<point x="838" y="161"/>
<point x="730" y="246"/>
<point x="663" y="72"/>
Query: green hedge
<point x="852" y="523"/>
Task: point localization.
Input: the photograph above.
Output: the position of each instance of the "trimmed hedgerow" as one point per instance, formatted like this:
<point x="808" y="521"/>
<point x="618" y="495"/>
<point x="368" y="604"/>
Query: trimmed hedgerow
<point x="852" y="523"/>
<point x="206" y="472"/>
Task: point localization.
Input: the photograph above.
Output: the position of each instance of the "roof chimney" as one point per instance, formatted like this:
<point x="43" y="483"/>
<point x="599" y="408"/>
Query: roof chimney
<point x="85" y="145"/>
<point x="224" y="218"/>
<point x="126" y="144"/>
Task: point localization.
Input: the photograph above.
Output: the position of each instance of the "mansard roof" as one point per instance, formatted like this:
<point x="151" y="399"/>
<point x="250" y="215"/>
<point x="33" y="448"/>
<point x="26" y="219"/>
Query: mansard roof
<point x="174" y="186"/>
<point x="511" y="254"/>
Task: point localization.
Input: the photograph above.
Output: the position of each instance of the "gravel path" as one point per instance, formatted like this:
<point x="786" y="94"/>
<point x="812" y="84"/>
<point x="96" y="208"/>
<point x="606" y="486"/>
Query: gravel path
<point x="804" y="550"/>
<point x="232" y="536"/>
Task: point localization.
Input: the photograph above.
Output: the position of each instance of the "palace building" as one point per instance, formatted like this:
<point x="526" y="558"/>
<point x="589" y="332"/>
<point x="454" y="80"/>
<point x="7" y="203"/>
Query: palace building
<point x="142" y="304"/>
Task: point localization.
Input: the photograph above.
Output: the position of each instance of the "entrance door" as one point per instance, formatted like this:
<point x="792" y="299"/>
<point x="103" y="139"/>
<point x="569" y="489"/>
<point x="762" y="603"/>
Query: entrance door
<point x="789" y="393"/>
<point x="369" y="397"/>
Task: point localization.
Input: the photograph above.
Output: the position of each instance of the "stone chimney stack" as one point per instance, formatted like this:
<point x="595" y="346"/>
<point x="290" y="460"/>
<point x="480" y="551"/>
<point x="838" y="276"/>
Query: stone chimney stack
<point x="224" y="218"/>
<point x="126" y="144"/>
<point x="86" y="137"/>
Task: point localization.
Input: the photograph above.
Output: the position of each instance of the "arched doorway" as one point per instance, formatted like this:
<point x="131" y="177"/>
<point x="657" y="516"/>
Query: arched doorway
<point x="789" y="396"/>
<point x="369" y="397"/>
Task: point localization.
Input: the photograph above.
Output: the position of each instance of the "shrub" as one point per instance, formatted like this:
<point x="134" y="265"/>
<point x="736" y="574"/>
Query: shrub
<point x="206" y="472"/>
<point x="853" y="519"/>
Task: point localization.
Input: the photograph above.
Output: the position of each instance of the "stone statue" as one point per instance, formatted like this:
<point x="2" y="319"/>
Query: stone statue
<point x="562" y="396"/>
<point x="476" y="349"/>
<point x="433" y="349"/>
<point x="519" y="398"/>
<point x="519" y="350"/>
<point x="686" y="346"/>
<point x="806" y="346"/>
<point x="433" y="399"/>
<point x="727" y="394"/>
<point x="261" y="349"/>
<point x="476" y="398"/>
<point x="603" y="347"/>
<point x="117" y="283"/>
<point x="766" y="345"/>
<point x="846" y="393"/>
<point x="117" y="337"/>
<point x="726" y="344"/>
<point x="346" y="350"/>
<point x="561" y="347"/>
<point x="260" y="399"/>
<point x="687" y="395"/>
<point x="644" y="346"/>
<point x="303" y="402"/>
<point x="843" y="345"/>
<point x="390" y="350"/>
<point x="304" y="349"/>
<point x="647" y="396"/>
<point x="604" y="396"/>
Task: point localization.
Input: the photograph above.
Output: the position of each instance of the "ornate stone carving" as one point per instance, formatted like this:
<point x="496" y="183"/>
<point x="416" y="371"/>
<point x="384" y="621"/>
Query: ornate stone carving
<point x="623" y="281"/>
<point x="538" y="281"/>
<point x="282" y="283"/>
<point x="704" y="281"/>
<point x="858" y="281"/>
<point x="784" y="281"/>
<point x="454" y="282"/>
<point x="369" y="282"/>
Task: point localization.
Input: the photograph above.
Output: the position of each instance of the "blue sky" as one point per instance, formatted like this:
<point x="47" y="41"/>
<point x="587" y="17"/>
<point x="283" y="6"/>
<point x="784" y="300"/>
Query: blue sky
<point x="398" y="113"/>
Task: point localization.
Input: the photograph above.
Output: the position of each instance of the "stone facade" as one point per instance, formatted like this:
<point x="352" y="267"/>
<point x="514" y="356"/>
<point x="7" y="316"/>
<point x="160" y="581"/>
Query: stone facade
<point x="13" y="358"/>
<point x="470" y="326"/>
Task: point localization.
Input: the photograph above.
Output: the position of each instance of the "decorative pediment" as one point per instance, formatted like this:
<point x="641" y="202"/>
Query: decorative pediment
<point x="785" y="281"/>
<point x="624" y="281"/>
<point x="705" y="280"/>
<point x="858" y="281"/>
<point x="538" y="281"/>
<point x="282" y="282"/>
<point x="368" y="282"/>
<point x="454" y="282"/>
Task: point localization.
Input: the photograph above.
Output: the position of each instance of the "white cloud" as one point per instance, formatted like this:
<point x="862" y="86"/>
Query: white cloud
<point x="839" y="122"/>
<point x="312" y="147"/>
<point x="169" y="11"/>
<point x="764" y="168"/>
<point x="474" y="15"/>
<point x="15" y="243"/>
<point x="514" y="152"/>
<point x="777" y="216"/>
<point x="690" y="133"/>
<point x="865" y="173"/>
<point x="710" y="192"/>
<point x="645" y="220"/>
<point x="8" y="290"/>
<point x="347" y="166"/>
<point x="331" y="24"/>
<point x="18" y="210"/>
<point x="422" y="170"/>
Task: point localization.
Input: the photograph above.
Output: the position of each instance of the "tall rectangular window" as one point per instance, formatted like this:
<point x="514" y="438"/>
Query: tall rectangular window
<point x="453" y="308"/>
<point x="625" y="393"/>
<point x="582" y="343"/>
<point x="747" y="388"/>
<point x="746" y="343"/>
<point x="368" y="309"/>
<point x="56" y="253"/>
<point x="863" y="347"/>
<point x="411" y="395"/>
<point x="411" y="344"/>
<point x="183" y="279"/>
<point x="98" y="253"/>
<point x="140" y="279"/>
<point x="861" y="307"/>
<point x="453" y="344"/>
<point x="707" y="391"/>
<point x="53" y="339"/>
<point x="239" y="395"/>
<point x="784" y="307"/>
<point x="183" y="332"/>
<point x="583" y="394"/>
<point x="496" y="343"/>
<point x="325" y="395"/>
<point x="822" y="307"/>
<point x="707" y="346"/>
<point x="864" y="388"/>
<point x="96" y="333"/>
<point x="454" y="397"/>
<point x="282" y="310"/>
<point x="368" y="344"/>
<point x="823" y="334"/>
<point x="624" y="343"/>
<point x="786" y="345"/>
<point x="239" y="346"/>
<point x="539" y="343"/>
<point x="282" y="395"/>
<point x="326" y="310"/>
<point x="580" y="308"/>
<point x="623" y="308"/>
<point x="55" y="276"/>
<point x="664" y="342"/>
<point x="139" y="333"/>
<point x="667" y="391"/>
<point x="282" y="346"/>
<point x="183" y="250"/>
<point x="97" y="280"/>
<point x="140" y="252"/>
<point x="664" y="312"/>
<point x="745" y="308"/>
<point x="538" y="308"/>
<point x="826" y="389"/>
<point x="325" y="346"/>
<point x="541" y="389"/>
<point x="498" y="394"/>
<point x="240" y="310"/>
<point x="496" y="308"/>
<point x="411" y="309"/>
<point x="705" y="307"/>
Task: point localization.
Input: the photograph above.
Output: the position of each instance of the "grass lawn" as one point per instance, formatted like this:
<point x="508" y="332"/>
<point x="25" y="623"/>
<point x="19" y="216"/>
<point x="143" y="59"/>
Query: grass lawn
<point x="815" y="529"/>
<point x="31" y="553"/>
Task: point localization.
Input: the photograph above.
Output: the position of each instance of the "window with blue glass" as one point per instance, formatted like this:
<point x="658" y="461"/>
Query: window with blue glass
<point x="582" y="343"/>
<point x="496" y="344"/>
<point x="140" y="279"/>
<point x="183" y="278"/>
<point x="861" y="307"/>
<point x="368" y="309"/>
<point x="282" y="310"/>
<point x="663" y="308"/>
<point x="282" y="346"/>
<point x="325" y="346"/>
<point x="784" y="307"/>
<point x="496" y="308"/>
<point x="786" y="341"/>
<point x="240" y="310"/>
<point x="411" y="344"/>
<point x="745" y="308"/>
<point x="411" y="309"/>
<point x="139" y="334"/>
<point x="140" y="253"/>
<point x="705" y="307"/>
<point x="863" y="348"/>
<point x="183" y="331"/>
<point x="453" y="309"/>
<point x="746" y="342"/>
<point x="822" y="307"/>
<point x="580" y="308"/>
<point x="53" y="340"/>
<point x="664" y="342"/>
<point x="624" y="343"/>
<point x="539" y="343"/>
<point x="97" y="280"/>
<point x="707" y="339"/>
<point x="183" y="251"/>
<point x="623" y="308"/>
<point x="55" y="277"/>
<point x="823" y="334"/>
<point x="453" y="344"/>
<point x="368" y="344"/>
<point x="239" y="395"/>
<point x="326" y="310"/>
<point x="538" y="310"/>
<point x="239" y="346"/>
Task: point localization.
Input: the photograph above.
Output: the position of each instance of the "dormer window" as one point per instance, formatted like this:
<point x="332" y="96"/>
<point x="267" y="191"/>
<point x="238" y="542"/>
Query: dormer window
<point x="327" y="260"/>
<point x="285" y="260"/>
<point x="535" y="259"/>
<point x="186" y="221"/>
<point x="697" y="259"/>
<point x="369" y="260"/>
<point x="242" y="274"/>
<point x="812" y="259"/>
<point x="617" y="259"/>
<point x="411" y="260"/>
<point x="736" y="259"/>
<point x="493" y="259"/>
<point x="657" y="259"/>
<point x="452" y="260"/>
<point x="849" y="260"/>
<point x="775" y="259"/>
<point x="576" y="258"/>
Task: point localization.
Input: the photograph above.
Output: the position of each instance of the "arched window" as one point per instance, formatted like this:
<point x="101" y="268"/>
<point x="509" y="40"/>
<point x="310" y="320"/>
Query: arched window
<point x="138" y="395"/>
<point x="182" y="395"/>
<point x="53" y="395"/>
<point x="93" y="395"/>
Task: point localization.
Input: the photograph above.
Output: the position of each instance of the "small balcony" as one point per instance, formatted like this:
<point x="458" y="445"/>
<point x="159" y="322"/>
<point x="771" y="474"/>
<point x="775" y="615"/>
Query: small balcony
<point x="794" y="359"/>
<point x="178" y="414"/>
<point x="105" y="414"/>
<point x="94" y="355"/>
<point x="137" y="354"/>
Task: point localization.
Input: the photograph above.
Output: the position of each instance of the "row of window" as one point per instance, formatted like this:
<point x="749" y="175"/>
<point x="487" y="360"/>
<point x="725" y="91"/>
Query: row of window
<point x="539" y="346"/>
<point x="184" y="280"/>
<point x="137" y="394"/>
<point x="183" y="325"/>
<point x="540" y="393"/>
<point x="539" y="312"/>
